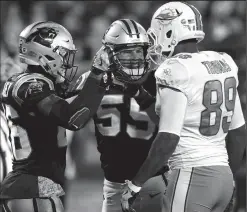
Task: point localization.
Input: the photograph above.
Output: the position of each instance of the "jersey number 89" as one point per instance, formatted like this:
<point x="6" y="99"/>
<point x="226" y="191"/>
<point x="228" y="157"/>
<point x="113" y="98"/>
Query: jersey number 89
<point x="212" y="99"/>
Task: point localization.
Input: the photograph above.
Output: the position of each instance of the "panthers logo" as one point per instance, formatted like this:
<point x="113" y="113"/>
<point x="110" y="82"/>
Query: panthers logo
<point x="34" y="87"/>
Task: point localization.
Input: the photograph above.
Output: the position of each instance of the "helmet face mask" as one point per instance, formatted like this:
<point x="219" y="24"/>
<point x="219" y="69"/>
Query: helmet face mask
<point x="128" y="42"/>
<point x="155" y="50"/>
<point x="132" y="63"/>
<point x="68" y="69"/>
<point x="49" y="45"/>
<point x="172" y="23"/>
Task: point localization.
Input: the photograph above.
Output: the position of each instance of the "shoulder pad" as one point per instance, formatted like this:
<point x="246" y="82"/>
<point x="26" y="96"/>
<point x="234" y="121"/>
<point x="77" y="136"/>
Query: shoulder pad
<point x="172" y="73"/>
<point x="8" y="85"/>
<point x="29" y="84"/>
<point x="229" y="60"/>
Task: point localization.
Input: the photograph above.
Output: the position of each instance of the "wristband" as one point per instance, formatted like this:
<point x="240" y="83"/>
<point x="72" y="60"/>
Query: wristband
<point x="133" y="187"/>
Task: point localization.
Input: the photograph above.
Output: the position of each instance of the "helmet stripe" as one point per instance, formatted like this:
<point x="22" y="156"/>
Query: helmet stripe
<point x="198" y="16"/>
<point x="127" y="26"/>
<point x="136" y="28"/>
<point x="38" y="23"/>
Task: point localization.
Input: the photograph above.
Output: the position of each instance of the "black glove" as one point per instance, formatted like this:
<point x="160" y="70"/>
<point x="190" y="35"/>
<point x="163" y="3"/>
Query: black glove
<point x="131" y="90"/>
<point x="104" y="60"/>
<point x="144" y="98"/>
<point x="103" y="63"/>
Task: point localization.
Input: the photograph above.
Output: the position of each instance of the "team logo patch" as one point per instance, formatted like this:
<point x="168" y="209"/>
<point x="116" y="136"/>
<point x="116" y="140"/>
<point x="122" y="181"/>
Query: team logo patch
<point x="167" y="71"/>
<point x="35" y="87"/>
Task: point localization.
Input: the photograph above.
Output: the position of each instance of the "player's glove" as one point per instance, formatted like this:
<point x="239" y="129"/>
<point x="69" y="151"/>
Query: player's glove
<point x="103" y="63"/>
<point x="103" y="59"/>
<point x="144" y="98"/>
<point x="128" y="197"/>
<point x="131" y="90"/>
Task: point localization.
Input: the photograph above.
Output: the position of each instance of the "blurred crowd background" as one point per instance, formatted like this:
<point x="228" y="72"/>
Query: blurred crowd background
<point x="224" y="25"/>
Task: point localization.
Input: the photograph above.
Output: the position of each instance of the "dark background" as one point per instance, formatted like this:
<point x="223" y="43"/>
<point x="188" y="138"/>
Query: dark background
<point x="224" y="25"/>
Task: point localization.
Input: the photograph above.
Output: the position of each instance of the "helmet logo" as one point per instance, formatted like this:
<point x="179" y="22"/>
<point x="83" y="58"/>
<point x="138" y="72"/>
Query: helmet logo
<point x="48" y="34"/>
<point x="168" y="14"/>
<point x="51" y="35"/>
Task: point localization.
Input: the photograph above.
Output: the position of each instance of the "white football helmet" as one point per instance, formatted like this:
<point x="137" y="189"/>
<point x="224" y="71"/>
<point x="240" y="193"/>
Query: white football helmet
<point x="49" y="45"/>
<point x="123" y="34"/>
<point x="172" y="23"/>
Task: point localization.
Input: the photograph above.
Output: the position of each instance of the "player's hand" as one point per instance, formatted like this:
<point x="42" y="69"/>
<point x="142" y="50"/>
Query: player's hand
<point x="131" y="90"/>
<point x="144" y="98"/>
<point x="103" y="60"/>
<point x="128" y="198"/>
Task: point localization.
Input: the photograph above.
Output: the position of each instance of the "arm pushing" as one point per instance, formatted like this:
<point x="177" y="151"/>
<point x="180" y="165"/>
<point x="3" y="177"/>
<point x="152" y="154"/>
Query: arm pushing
<point x="76" y="114"/>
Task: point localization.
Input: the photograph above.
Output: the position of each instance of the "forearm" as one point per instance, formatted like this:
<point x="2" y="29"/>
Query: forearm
<point x="236" y="145"/>
<point x="75" y="115"/>
<point x="91" y="94"/>
<point x="161" y="150"/>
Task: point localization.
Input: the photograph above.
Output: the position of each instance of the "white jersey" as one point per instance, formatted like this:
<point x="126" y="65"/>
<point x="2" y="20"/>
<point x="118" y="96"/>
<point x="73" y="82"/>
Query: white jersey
<point x="209" y="80"/>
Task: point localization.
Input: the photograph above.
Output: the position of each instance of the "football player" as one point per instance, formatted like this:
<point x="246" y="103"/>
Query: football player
<point x="5" y="149"/>
<point x="198" y="105"/>
<point x="123" y="130"/>
<point x="38" y="114"/>
<point x="8" y="67"/>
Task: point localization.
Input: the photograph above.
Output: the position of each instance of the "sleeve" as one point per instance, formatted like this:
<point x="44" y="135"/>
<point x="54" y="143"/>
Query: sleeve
<point x="79" y="111"/>
<point x="37" y="94"/>
<point x="173" y="107"/>
<point x="238" y="117"/>
<point x="80" y="82"/>
<point x="77" y="86"/>
<point x="174" y="75"/>
<point x="30" y="90"/>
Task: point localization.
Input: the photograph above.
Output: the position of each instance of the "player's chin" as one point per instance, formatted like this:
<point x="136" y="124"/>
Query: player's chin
<point x="136" y="78"/>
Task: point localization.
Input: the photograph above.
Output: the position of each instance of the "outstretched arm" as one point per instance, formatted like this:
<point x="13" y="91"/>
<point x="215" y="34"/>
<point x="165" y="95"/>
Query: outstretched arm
<point x="173" y="107"/>
<point x="76" y="114"/>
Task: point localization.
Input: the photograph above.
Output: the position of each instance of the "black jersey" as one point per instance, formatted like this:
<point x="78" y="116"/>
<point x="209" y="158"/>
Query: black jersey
<point x="38" y="144"/>
<point x="124" y="133"/>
